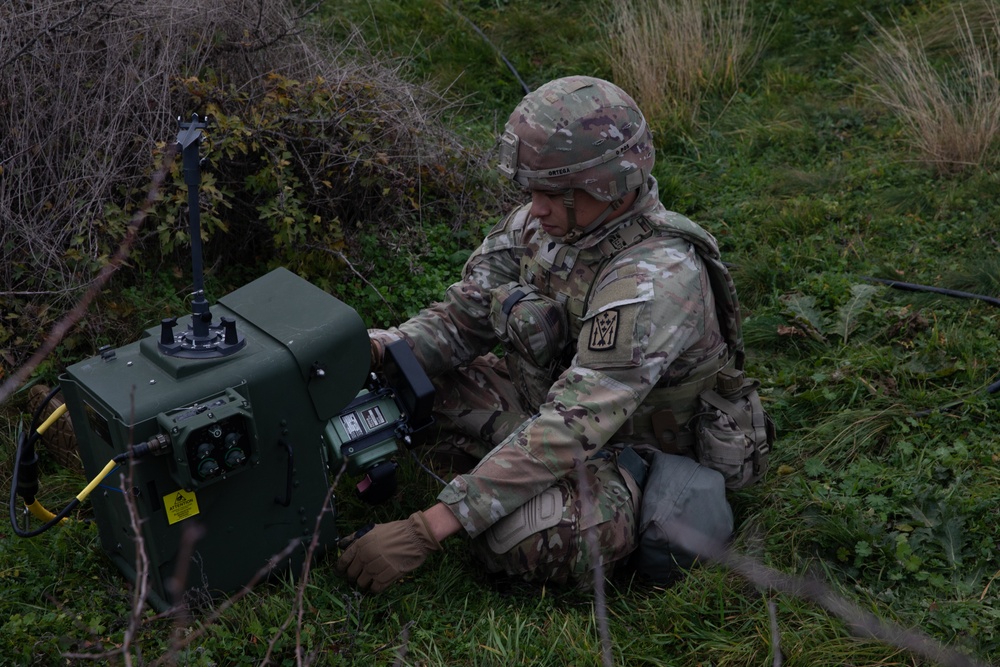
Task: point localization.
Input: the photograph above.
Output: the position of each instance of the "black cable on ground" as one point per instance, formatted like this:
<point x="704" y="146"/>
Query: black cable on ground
<point x="913" y="287"/>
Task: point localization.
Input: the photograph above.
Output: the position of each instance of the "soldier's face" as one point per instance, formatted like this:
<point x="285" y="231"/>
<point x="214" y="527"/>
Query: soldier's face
<point x="551" y="212"/>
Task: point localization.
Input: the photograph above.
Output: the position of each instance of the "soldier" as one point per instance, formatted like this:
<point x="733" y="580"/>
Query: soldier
<point x="603" y="305"/>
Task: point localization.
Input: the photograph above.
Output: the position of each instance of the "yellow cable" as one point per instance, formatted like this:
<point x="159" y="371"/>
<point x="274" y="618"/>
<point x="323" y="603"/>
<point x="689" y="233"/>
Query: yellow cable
<point x="56" y="414"/>
<point x="36" y="508"/>
<point x="97" y="480"/>
<point x="40" y="512"/>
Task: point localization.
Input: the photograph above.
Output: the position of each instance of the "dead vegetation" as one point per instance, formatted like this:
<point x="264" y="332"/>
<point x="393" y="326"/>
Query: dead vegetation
<point x="941" y="83"/>
<point x="673" y="53"/>
<point x="90" y="93"/>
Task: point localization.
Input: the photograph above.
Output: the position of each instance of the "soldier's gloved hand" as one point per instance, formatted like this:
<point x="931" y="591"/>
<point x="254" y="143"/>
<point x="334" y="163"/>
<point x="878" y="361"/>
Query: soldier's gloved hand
<point x="378" y="352"/>
<point x="382" y="555"/>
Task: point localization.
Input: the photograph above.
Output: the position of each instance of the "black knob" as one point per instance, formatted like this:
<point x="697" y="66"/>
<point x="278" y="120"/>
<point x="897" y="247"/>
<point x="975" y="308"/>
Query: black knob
<point x="167" y="325"/>
<point x="229" y="325"/>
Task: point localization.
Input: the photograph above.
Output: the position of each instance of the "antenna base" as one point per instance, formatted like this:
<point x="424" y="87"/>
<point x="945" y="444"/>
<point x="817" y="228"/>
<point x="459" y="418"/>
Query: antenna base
<point x="220" y="340"/>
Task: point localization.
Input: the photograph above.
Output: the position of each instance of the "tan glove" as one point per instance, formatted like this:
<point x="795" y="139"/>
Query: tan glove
<point x="378" y="352"/>
<point x="379" y="557"/>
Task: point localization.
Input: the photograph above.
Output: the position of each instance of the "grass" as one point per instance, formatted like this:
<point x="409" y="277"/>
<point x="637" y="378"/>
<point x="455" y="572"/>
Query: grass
<point x="884" y="482"/>
<point x="951" y="114"/>
<point x="673" y="54"/>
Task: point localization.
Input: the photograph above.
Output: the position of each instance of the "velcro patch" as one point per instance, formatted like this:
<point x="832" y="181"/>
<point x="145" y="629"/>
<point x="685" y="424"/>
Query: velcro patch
<point x="604" y="332"/>
<point x="607" y="338"/>
<point x="610" y="338"/>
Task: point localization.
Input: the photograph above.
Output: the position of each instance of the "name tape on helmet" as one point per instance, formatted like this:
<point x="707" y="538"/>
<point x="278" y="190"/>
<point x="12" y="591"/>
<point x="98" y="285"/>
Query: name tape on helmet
<point x="509" y="143"/>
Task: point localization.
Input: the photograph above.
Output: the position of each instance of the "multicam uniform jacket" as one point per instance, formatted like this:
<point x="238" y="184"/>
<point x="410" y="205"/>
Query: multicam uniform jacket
<point x="640" y="315"/>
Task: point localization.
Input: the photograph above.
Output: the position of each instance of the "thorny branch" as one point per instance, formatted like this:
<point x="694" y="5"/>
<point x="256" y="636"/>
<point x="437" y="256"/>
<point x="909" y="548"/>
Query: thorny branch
<point x="772" y="612"/>
<point x="298" y="609"/>
<point x="141" y="592"/>
<point x="274" y="561"/>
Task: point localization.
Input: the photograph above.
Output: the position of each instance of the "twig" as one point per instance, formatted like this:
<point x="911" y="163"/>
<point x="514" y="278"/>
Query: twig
<point x="857" y="619"/>
<point x="227" y="603"/>
<point x="590" y="535"/>
<point x="426" y="469"/>
<point x="327" y="508"/>
<point x="185" y="556"/>
<point x="141" y="593"/>
<point x="404" y="636"/>
<point x="44" y="31"/>
<point x="772" y="612"/>
<point x="256" y="579"/>
<point x="298" y="608"/>
<point x="493" y="46"/>
<point x="339" y="255"/>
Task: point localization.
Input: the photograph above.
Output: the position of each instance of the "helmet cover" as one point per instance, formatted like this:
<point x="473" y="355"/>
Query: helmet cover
<point x="578" y="132"/>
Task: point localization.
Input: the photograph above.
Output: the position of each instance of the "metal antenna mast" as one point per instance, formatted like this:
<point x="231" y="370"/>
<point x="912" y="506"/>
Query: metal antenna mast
<point x="202" y="339"/>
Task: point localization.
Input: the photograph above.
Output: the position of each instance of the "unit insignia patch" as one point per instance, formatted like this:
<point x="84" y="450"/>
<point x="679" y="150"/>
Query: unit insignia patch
<point x="604" y="332"/>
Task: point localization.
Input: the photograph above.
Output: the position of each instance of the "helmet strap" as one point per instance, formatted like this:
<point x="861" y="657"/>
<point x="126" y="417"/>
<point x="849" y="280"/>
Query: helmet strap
<point x="612" y="207"/>
<point x="575" y="232"/>
<point x="569" y="201"/>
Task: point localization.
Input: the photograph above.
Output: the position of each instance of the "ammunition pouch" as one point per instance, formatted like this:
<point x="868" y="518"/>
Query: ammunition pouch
<point x="716" y="417"/>
<point x="733" y="433"/>
<point x="533" y="330"/>
<point x="679" y="403"/>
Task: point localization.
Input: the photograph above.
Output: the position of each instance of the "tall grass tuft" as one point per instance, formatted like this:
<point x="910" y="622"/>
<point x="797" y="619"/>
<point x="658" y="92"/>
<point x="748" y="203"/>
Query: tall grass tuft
<point x="949" y="106"/>
<point x="672" y="54"/>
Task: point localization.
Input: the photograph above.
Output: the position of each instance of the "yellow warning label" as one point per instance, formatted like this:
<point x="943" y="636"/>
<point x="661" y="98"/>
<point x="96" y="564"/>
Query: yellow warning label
<point x="180" y="505"/>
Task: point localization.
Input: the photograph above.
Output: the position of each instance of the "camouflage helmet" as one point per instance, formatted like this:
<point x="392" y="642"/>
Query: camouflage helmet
<point x="578" y="132"/>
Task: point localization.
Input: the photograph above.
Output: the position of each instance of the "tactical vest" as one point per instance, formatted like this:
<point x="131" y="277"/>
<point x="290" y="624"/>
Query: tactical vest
<point x="550" y="271"/>
<point x="567" y="274"/>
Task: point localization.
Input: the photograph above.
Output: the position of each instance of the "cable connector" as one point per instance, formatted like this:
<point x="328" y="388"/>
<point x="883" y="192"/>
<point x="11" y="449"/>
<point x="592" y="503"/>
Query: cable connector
<point x="158" y="444"/>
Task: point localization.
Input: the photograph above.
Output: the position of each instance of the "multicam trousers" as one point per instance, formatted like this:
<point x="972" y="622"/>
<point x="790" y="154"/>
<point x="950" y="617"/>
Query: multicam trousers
<point x="561" y="534"/>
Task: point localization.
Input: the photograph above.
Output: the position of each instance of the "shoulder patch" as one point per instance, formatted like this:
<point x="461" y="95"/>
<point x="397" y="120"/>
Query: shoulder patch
<point x="604" y="332"/>
<point x="609" y="337"/>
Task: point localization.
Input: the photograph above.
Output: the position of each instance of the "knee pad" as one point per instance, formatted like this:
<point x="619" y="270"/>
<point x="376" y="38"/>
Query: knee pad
<point x="540" y="513"/>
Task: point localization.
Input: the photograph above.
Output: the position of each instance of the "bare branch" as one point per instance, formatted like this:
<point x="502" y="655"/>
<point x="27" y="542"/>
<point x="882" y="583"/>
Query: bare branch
<point x="44" y="31"/>
<point x="772" y="612"/>
<point x="861" y="622"/>
<point x="343" y="258"/>
<point x="587" y="506"/>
